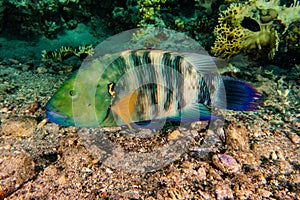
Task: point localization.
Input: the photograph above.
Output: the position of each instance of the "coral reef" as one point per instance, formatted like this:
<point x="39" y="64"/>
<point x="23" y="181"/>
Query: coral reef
<point x="255" y="27"/>
<point x="51" y="18"/>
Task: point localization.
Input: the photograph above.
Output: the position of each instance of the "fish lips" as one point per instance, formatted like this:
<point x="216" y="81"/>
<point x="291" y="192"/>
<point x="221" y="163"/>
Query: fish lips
<point x="53" y="115"/>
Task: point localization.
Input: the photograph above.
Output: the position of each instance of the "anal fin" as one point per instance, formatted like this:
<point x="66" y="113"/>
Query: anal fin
<point x="193" y="112"/>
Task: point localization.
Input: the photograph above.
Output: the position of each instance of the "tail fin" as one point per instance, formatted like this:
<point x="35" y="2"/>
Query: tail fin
<point x="240" y="95"/>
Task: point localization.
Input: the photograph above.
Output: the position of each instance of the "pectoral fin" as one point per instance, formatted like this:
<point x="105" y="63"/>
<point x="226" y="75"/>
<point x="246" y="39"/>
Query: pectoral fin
<point x="109" y="120"/>
<point x="124" y="108"/>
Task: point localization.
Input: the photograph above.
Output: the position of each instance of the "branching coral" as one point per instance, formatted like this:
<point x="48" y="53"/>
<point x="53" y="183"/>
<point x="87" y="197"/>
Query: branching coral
<point x="254" y="27"/>
<point x="229" y="41"/>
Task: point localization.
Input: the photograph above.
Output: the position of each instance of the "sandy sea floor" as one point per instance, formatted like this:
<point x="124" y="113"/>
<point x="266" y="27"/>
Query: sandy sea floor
<point x="255" y="155"/>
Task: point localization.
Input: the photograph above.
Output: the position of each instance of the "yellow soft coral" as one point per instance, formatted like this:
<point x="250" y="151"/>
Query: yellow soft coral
<point x="148" y="11"/>
<point x="253" y="27"/>
<point x="64" y="52"/>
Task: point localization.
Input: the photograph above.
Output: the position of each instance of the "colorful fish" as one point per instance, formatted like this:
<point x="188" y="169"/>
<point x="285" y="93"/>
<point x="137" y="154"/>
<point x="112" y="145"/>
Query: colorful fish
<point x="147" y="88"/>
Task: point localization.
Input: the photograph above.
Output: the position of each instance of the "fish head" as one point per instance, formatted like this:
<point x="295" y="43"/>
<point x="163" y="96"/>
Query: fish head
<point x="59" y="108"/>
<point x="83" y="105"/>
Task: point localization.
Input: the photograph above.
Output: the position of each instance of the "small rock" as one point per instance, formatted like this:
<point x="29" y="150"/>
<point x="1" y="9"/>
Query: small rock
<point x="236" y="137"/>
<point x="174" y="135"/>
<point x="274" y="155"/>
<point x="280" y="155"/>
<point x="285" y="167"/>
<point x="221" y="133"/>
<point x="247" y="159"/>
<point x="257" y="131"/>
<point x="226" y="163"/>
<point x="200" y="125"/>
<point x="223" y="191"/>
<point x="86" y="170"/>
<point x="19" y="126"/>
<point x="295" y="178"/>
<point x="15" y="170"/>
<point x="62" y="180"/>
<point x="109" y="171"/>
<point x="268" y="150"/>
<point x="294" y="138"/>
<point x="211" y="143"/>
<point x="204" y="195"/>
<point x="201" y="173"/>
<point x="264" y="193"/>
<point x="51" y="170"/>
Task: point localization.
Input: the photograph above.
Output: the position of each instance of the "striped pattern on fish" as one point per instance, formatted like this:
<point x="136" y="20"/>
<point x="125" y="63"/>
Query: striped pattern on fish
<point x="136" y="86"/>
<point x="164" y="82"/>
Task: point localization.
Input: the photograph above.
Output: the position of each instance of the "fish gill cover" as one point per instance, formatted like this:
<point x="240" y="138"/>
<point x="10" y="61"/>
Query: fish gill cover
<point x="114" y="68"/>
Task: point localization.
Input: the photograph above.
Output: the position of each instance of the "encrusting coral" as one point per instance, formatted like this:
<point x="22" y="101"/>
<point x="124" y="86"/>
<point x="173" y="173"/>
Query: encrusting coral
<point x="254" y="28"/>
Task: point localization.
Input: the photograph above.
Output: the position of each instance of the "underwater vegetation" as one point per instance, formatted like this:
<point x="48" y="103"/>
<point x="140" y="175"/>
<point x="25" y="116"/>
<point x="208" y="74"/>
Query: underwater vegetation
<point x="66" y="52"/>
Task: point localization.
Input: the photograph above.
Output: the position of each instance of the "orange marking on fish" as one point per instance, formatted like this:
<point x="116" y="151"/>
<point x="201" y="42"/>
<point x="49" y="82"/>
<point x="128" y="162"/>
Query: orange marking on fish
<point x="124" y="108"/>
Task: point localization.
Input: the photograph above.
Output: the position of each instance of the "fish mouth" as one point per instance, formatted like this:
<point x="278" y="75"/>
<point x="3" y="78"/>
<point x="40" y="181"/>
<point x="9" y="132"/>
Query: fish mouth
<point x="53" y="115"/>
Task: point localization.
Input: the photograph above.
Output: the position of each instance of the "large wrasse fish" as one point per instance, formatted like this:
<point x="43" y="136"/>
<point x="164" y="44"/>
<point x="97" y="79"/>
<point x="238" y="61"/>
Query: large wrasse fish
<point x="146" y="88"/>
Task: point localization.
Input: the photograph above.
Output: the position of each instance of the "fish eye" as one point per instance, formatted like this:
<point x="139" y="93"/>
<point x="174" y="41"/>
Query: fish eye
<point x="110" y="88"/>
<point x="72" y="93"/>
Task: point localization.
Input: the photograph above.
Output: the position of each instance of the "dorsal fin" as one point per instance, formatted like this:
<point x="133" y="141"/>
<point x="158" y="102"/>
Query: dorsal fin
<point x="203" y="63"/>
